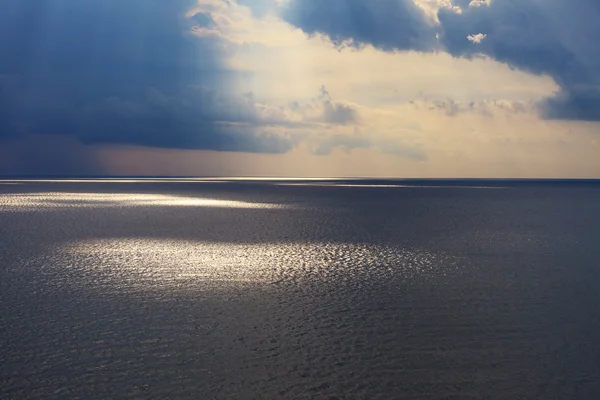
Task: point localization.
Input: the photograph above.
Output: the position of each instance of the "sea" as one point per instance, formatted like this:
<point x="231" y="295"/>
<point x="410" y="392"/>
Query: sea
<point x="299" y="289"/>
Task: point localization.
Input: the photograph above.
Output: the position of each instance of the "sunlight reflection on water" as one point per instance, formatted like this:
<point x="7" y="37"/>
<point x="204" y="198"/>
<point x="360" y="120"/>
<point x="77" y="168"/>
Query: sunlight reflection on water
<point x="152" y="263"/>
<point x="50" y="200"/>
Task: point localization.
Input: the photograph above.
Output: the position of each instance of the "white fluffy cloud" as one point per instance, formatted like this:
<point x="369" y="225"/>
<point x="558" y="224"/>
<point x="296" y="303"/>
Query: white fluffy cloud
<point x="478" y="38"/>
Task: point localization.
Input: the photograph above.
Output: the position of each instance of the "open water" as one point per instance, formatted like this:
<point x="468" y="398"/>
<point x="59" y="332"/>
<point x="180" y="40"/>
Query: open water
<point x="192" y="289"/>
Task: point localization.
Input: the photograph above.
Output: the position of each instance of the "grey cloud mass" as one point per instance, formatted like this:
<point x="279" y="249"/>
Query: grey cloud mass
<point x="386" y="24"/>
<point x="553" y="37"/>
<point x="114" y="71"/>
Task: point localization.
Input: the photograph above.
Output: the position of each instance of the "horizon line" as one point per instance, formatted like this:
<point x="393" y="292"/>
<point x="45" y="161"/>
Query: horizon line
<point x="192" y="178"/>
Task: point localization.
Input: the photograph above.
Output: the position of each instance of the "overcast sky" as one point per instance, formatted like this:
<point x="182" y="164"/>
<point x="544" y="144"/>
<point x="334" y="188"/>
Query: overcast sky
<point x="322" y="88"/>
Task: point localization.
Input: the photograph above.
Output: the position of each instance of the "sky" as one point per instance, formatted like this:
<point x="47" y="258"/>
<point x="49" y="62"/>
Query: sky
<point x="300" y="88"/>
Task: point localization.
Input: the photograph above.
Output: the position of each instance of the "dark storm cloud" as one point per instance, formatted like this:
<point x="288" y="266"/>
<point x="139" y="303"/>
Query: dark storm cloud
<point x="386" y="24"/>
<point x="573" y="104"/>
<point x="115" y="71"/>
<point x="553" y="37"/>
<point x="49" y="155"/>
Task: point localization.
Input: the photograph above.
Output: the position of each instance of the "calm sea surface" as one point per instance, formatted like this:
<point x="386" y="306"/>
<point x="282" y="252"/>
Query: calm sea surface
<point x="299" y="290"/>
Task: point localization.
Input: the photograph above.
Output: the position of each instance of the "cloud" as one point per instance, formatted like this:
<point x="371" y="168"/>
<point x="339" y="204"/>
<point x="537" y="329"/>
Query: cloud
<point x="336" y="113"/>
<point x="480" y="3"/>
<point x="50" y="156"/>
<point x="323" y="145"/>
<point x="487" y="107"/>
<point x="477" y="39"/>
<point x="573" y="104"/>
<point x="386" y="24"/>
<point x="148" y="73"/>
<point x="519" y="33"/>
<point x="260" y="8"/>
<point x="318" y="112"/>
<point x="554" y="37"/>
<point x="128" y="72"/>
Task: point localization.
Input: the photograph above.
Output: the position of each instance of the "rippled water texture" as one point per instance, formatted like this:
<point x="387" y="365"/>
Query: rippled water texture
<point x="215" y="289"/>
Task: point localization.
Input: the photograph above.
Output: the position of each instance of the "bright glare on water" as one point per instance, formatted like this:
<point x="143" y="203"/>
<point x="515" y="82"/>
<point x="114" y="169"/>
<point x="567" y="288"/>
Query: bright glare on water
<point x="53" y="200"/>
<point x="152" y="263"/>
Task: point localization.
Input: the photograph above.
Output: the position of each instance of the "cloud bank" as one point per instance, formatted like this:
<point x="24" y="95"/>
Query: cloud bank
<point x="386" y="24"/>
<point x="551" y="37"/>
<point x="86" y="82"/>
<point x="125" y="72"/>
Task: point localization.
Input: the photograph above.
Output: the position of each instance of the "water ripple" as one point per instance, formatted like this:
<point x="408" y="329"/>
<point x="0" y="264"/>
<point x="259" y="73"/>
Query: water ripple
<point x="46" y="201"/>
<point x="160" y="263"/>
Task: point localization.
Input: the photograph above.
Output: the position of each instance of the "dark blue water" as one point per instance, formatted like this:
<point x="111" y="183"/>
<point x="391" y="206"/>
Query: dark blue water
<point x="317" y="290"/>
